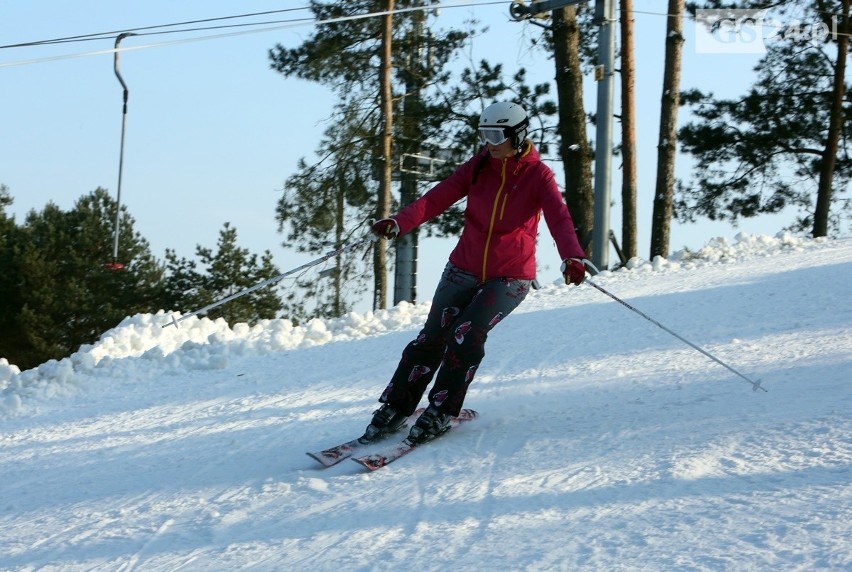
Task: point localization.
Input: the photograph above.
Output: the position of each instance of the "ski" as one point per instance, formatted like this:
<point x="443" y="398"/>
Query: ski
<point x="333" y="455"/>
<point x="392" y="453"/>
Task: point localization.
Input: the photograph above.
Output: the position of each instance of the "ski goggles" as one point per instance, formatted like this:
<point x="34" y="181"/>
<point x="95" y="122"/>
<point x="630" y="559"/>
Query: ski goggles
<point x="493" y="135"/>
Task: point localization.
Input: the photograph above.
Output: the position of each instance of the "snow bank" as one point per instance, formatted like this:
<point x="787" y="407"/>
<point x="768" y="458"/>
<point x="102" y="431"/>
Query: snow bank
<point x="141" y="347"/>
<point x="145" y="345"/>
<point x="721" y="250"/>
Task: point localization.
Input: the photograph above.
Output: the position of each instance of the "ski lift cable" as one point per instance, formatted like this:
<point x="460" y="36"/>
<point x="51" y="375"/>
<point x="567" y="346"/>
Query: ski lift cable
<point x="286" y="24"/>
<point x="103" y="35"/>
<point x="163" y="32"/>
<point x="301" y="21"/>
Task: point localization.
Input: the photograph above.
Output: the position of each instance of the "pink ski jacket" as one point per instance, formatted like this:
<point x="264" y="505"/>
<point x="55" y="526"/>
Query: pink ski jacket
<point x="505" y="199"/>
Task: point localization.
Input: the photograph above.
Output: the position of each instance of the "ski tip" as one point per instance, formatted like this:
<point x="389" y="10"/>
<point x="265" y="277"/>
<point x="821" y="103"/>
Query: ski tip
<point x="318" y="458"/>
<point x="324" y="460"/>
<point x="371" y="462"/>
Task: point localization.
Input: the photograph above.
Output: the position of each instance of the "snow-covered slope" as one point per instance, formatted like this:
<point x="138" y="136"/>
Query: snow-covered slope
<point x="604" y="443"/>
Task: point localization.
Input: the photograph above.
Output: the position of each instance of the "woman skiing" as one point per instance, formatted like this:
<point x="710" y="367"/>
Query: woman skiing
<point x="489" y="272"/>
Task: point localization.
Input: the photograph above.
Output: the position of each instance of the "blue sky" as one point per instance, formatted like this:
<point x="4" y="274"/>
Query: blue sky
<point x="213" y="133"/>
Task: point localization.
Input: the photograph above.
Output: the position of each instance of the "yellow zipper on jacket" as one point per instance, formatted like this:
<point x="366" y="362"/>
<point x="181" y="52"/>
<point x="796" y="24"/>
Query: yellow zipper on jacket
<point x="493" y="217"/>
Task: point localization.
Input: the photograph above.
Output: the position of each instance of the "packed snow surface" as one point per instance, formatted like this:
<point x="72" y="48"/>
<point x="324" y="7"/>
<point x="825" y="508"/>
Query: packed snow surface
<point x="603" y="442"/>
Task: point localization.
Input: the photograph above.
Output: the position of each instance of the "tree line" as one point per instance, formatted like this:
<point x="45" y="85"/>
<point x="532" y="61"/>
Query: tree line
<point x="59" y="289"/>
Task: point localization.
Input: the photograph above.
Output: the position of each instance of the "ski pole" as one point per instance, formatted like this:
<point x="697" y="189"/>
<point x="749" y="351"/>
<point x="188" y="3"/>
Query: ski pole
<point x="273" y="280"/>
<point x="755" y="385"/>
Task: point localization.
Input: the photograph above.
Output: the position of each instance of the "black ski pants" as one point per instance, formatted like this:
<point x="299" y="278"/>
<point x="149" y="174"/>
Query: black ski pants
<point x="452" y="342"/>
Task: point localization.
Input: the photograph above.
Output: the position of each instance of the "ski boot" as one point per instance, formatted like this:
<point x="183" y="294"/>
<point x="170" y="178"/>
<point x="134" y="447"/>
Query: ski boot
<point x="429" y="425"/>
<point x="386" y="420"/>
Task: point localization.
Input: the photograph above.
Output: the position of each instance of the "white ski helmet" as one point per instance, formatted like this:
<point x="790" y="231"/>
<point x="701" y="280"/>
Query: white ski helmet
<point x="504" y="120"/>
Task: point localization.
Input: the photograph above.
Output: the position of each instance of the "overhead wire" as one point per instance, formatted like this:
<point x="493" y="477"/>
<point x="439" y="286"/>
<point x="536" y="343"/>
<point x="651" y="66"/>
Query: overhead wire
<point x="278" y="25"/>
<point x="272" y="25"/>
<point x="140" y="31"/>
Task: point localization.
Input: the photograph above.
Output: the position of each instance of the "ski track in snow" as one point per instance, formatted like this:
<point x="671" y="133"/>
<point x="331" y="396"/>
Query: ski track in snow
<point x="603" y="443"/>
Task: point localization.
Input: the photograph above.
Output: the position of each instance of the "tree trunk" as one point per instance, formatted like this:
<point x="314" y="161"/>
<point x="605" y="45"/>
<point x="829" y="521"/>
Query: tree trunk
<point x="380" y="297"/>
<point x="667" y="145"/>
<point x="628" y="134"/>
<point x="574" y="147"/>
<point x="829" y="156"/>
<point x="339" y="237"/>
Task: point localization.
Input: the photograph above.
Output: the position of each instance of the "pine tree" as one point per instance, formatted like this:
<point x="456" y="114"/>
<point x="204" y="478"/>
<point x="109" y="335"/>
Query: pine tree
<point x="66" y="296"/>
<point x="629" y="229"/>
<point x="667" y="140"/>
<point x="230" y="269"/>
<point x="575" y="150"/>
<point x="323" y="206"/>
<point x="11" y="346"/>
<point x="778" y="146"/>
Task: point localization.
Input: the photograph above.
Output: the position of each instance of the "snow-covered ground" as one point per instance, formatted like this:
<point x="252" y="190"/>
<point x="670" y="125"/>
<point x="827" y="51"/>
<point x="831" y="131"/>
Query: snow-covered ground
<point x="603" y="442"/>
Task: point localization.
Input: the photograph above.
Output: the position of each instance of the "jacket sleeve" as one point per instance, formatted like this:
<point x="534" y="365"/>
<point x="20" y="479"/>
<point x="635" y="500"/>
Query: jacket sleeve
<point x="438" y="199"/>
<point x="558" y="219"/>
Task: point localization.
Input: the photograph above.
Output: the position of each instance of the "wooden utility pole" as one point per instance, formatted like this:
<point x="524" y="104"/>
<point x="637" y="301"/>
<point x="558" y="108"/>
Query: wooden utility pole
<point x="380" y="296"/>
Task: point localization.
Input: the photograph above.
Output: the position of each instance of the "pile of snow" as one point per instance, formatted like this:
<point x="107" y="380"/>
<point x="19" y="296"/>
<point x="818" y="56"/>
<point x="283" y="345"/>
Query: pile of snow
<point x="201" y="343"/>
<point x="197" y="344"/>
